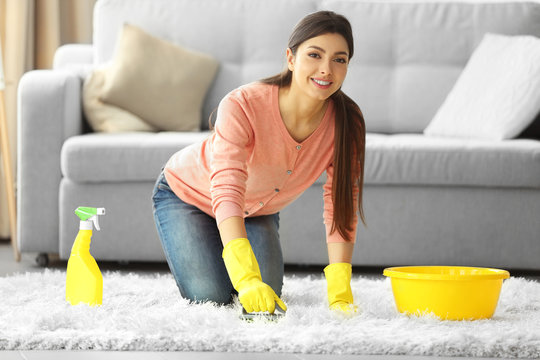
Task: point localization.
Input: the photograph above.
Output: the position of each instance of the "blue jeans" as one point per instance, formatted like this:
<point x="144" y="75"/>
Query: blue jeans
<point x="193" y="247"/>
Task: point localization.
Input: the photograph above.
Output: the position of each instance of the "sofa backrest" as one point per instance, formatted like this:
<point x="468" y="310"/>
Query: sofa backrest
<point x="408" y="54"/>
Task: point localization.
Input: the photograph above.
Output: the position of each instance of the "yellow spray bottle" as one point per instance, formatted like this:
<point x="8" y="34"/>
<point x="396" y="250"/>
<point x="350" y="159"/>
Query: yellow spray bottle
<point x="84" y="282"/>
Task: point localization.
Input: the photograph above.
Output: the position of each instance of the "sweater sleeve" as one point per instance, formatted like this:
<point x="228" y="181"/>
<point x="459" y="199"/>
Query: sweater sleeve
<point x="328" y="213"/>
<point x="228" y="168"/>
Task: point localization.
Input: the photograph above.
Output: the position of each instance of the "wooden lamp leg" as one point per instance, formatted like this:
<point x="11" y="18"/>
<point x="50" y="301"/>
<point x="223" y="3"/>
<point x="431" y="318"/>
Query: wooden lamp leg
<point x="8" y="178"/>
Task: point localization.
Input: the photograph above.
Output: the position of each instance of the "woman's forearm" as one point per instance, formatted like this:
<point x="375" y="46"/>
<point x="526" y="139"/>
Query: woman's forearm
<point x="340" y="252"/>
<point x="232" y="228"/>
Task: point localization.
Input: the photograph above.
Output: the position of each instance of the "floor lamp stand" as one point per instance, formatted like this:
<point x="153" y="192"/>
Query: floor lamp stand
<point x="8" y="176"/>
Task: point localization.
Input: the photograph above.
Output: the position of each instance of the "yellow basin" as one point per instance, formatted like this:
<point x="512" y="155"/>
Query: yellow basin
<point x="450" y="292"/>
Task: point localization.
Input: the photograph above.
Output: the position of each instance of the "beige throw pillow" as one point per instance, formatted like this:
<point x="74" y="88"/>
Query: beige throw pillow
<point x="160" y="82"/>
<point x="105" y="117"/>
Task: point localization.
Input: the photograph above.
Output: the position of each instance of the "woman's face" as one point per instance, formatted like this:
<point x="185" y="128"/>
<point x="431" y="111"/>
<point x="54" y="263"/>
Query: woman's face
<point x="320" y="65"/>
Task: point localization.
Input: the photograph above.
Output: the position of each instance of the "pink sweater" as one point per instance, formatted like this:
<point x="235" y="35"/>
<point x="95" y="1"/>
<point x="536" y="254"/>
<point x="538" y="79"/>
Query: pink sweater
<point x="250" y="165"/>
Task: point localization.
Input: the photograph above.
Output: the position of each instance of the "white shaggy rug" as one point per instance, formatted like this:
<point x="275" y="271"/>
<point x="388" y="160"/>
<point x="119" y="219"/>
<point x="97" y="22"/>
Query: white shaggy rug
<point x="147" y="313"/>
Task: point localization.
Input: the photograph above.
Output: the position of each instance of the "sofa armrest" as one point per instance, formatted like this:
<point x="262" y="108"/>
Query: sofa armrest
<point x="76" y="58"/>
<point x="49" y="111"/>
<point x="69" y="54"/>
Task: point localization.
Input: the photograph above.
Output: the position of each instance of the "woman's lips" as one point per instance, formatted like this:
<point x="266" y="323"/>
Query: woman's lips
<point x="321" y="84"/>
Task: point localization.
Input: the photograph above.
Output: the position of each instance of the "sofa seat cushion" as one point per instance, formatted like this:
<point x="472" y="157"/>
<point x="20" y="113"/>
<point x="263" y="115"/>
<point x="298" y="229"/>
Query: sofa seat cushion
<point x="412" y="159"/>
<point x="416" y="159"/>
<point x="115" y="157"/>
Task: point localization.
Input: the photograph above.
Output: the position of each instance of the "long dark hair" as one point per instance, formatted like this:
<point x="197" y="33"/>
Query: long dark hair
<point x="350" y="131"/>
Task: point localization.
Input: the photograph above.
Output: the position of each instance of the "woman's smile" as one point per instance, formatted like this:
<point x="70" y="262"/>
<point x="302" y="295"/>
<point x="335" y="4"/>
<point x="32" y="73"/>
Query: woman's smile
<point x="321" y="83"/>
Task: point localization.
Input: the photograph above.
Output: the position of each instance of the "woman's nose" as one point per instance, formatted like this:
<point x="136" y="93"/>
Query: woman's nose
<point x="325" y="68"/>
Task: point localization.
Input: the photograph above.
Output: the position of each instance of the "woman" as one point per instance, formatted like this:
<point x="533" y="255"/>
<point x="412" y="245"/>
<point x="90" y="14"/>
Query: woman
<point x="217" y="202"/>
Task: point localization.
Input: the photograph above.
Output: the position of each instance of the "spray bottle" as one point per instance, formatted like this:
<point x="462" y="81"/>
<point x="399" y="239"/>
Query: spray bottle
<point x="84" y="282"/>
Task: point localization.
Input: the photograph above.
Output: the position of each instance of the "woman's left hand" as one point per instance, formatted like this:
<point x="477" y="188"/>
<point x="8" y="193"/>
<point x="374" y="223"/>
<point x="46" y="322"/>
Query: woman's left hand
<point x="344" y="308"/>
<point x="340" y="298"/>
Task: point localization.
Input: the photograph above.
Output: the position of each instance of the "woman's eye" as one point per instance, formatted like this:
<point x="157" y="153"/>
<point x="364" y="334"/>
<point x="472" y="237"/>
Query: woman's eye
<point x="341" y="60"/>
<point x="314" y="55"/>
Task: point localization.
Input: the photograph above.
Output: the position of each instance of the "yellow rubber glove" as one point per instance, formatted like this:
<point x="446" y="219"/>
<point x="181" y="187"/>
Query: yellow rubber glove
<point x="338" y="281"/>
<point x="243" y="269"/>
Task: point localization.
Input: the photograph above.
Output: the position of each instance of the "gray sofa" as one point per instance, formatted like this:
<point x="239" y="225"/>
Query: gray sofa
<point x="427" y="200"/>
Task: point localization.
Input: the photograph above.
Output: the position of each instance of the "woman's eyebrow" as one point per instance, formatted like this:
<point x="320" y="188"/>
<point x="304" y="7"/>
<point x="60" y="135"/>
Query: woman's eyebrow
<point x="324" y="51"/>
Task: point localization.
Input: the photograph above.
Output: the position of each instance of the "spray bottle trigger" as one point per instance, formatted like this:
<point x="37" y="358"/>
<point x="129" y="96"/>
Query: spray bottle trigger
<point x="95" y="221"/>
<point x="99" y="211"/>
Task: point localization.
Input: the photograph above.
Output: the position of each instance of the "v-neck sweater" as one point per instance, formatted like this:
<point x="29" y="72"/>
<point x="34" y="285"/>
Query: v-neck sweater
<point x="250" y="165"/>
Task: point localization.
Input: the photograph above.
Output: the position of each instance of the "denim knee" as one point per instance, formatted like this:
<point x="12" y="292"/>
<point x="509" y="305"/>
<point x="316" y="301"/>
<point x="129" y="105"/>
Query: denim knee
<point x="204" y="292"/>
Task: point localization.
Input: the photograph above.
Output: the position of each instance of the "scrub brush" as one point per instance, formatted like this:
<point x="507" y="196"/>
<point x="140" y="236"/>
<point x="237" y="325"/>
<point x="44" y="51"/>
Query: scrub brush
<point x="278" y="314"/>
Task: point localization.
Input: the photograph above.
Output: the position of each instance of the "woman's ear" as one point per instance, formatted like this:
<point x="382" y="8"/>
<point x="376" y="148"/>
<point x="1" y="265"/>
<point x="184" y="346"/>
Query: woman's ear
<point x="290" y="59"/>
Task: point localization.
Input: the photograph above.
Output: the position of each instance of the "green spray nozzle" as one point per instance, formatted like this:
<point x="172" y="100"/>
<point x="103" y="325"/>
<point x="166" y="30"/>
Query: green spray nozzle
<point x="90" y="214"/>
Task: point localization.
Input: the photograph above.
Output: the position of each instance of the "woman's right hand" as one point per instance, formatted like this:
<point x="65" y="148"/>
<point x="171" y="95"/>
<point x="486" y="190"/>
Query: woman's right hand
<point x="256" y="296"/>
<point x="245" y="275"/>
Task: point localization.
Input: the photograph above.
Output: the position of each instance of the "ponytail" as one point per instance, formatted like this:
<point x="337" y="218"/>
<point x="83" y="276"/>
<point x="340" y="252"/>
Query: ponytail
<point x="349" y="150"/>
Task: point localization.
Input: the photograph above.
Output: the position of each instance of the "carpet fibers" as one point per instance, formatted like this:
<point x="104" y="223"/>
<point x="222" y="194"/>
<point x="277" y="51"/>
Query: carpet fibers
<point x="146" y="312"/>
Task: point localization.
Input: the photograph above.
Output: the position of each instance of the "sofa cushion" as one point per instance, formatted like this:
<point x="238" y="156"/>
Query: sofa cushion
<point x="420" y="160"/>
<point x="114" y="157"/>
<point x="390" y="159"/>
<point x="407" y="59"/>
<point x="106" y="117"/>
<point x="136" y="156"/>
<point x="498" y="94"/>
<point x="248" y="38"/>
<point x="162" y="83"/>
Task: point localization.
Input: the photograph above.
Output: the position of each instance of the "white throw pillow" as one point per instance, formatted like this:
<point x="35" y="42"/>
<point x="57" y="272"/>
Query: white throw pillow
<point x="498" y="93"/>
